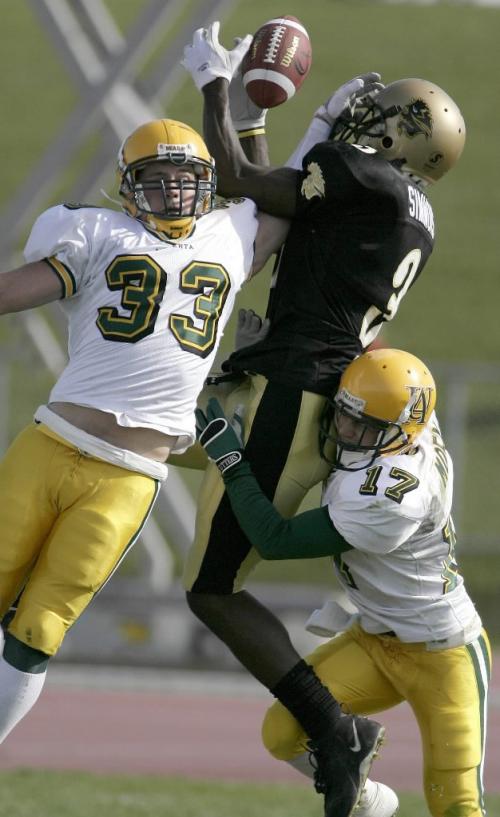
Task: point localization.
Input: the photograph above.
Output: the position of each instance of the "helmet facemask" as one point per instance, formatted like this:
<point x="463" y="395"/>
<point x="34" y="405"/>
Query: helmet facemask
<point x="366" y="118"/>
<point x="372" y="438"/>
<point x="176" y="212"/>
<point x="385" y="400"/>
<point x="369" y="125"/>
<point x="179" y="201"/>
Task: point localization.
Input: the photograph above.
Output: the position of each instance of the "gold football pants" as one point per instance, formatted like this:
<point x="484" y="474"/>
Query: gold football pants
<point x="446" y="690"/>
<point x="66" y="521"/>
<point x="281" y="431"/>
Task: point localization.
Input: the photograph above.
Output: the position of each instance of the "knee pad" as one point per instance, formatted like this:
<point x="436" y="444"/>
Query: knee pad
<point x="42" y="630"/>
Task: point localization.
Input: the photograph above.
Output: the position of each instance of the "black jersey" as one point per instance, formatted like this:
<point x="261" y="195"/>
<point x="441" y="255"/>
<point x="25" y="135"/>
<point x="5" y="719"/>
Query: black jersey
<point x="360" y="237"/>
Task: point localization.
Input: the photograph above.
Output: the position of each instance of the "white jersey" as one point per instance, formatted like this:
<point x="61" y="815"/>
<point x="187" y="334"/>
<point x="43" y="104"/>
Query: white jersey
<point x="401" y="574"/>
<point x="145" y="316"/>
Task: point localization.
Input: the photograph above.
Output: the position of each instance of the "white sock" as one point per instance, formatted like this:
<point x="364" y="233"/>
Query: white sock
<point x="19" y="691"/>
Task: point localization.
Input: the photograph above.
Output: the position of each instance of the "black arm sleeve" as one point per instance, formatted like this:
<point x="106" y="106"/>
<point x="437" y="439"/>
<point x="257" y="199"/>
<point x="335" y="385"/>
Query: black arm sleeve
<point x="306" y="536"/>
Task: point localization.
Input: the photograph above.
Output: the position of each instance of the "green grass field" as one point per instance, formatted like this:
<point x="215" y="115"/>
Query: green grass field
<point x="50" y="794"/>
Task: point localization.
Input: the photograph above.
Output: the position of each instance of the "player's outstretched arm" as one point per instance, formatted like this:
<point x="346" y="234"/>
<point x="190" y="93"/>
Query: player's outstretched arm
<point x="212" y="68"/>
<point x="271" y="234"/>
<point x="28" y="286"/>
<point x="308" y="535"/>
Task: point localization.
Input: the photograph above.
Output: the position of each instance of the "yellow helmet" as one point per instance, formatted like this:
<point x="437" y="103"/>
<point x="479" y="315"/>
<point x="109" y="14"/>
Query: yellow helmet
<point x="391" y="395"/>
<point x="410" y="122"/>
<point x="165" y="140"/>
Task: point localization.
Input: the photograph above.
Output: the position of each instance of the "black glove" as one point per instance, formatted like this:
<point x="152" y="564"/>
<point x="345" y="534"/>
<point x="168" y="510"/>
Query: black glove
<point x="218" y="437"/>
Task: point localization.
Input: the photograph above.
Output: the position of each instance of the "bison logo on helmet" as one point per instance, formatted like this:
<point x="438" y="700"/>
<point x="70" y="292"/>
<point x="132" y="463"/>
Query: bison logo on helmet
<point x="415" y="118"/>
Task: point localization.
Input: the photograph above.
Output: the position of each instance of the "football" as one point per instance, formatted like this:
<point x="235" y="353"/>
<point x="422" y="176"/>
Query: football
<point x="277" y="62"/>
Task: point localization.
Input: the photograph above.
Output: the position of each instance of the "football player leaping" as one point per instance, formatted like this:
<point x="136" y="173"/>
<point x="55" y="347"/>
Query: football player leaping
<point x="385" y="519"/>
<point x="362" y="230"/>
<point x="147" y="293"/>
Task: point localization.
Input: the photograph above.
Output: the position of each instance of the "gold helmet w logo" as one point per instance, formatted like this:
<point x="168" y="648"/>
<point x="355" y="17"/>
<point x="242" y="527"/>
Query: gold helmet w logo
<point x="415" y="118"/>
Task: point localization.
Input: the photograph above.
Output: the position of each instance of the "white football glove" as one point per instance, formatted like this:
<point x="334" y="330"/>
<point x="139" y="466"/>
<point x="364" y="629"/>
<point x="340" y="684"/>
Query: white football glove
<point x="344" y="98"/>
<point x="206" y="59"/>
<point x="250" y="328"/>
<point x="347" y="95"/>
<point x="245" y="114"/>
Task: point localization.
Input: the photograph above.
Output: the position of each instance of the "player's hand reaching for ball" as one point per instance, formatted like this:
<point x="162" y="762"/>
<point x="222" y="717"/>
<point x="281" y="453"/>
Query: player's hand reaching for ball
<point x="206" y="59"/>
<point x="346" y="97"/>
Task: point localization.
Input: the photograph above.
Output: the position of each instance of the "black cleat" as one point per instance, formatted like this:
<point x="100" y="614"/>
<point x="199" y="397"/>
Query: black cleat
<point x="342" y="762"/>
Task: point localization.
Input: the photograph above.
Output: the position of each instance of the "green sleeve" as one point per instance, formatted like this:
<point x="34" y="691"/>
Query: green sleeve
<point x="308" y="535"/>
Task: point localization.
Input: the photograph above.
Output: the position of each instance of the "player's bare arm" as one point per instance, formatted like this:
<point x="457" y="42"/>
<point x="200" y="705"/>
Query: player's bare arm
<point x="255" y="149"/>
<point x="271" y="234"/>
<point x="212" y="68"/>
<point x="29" y="286"/>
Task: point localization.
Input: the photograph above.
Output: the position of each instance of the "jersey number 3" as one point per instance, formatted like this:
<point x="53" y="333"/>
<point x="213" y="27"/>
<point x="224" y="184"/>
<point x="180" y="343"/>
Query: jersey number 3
<point x="142" y="283"/>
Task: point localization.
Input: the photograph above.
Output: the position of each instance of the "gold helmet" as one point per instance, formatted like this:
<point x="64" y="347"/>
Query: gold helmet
<point x="165" y="140"/>
<point x="390" y="394"/>
<point x="411" y="122"/>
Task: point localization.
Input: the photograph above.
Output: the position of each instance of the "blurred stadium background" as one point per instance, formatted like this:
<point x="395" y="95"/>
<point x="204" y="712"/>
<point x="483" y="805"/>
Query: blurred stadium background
<point x="78" y="75"/>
